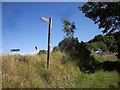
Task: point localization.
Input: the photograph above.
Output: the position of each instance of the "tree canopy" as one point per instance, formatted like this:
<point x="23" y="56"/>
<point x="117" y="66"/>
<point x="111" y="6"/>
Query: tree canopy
<point x="106" y="43"/>
<point x="68" y="27"/>
<point x="105" y="14"/>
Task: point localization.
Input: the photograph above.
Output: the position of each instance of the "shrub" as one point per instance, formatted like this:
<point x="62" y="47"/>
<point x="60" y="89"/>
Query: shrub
<point x="42" y="52"/>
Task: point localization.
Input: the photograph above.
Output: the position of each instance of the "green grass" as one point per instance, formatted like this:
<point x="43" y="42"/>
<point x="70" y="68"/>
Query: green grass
<point x="31" y="72"/>
<point x="106" y="57"/>
<point x="99" y="79"/>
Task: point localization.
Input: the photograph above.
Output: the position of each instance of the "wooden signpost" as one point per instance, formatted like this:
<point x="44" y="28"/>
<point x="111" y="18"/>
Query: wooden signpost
<point x="49" y="34"/>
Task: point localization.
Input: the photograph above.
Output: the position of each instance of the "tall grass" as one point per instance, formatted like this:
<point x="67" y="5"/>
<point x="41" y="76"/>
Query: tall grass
<point x="31" y="72"/>
<point x="99" y="79"/>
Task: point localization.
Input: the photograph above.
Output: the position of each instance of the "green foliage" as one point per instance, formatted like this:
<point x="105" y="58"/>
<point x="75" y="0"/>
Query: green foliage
<point x="68" y="44"/>
<point x="117" y="38"/>
<point x="42" y="52"/>
<point x="95" y="45"/>
<point x="78" y="52"/>
<point x="98" y="38"/>
<point x="69" y="27"/>
<point x="109" y="40"/>
<point x="110" y="20"/>
<point x="56" y="48"/>
<point x="98" y="80"/>
<point x="106" y="43"/>
<point x="75" y="49"/>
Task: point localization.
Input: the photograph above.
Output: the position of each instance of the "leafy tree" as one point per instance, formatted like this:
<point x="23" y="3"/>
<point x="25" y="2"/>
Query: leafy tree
<point x="73" y="48"/>
<point x="69" y="27"/>
<point x="105" y="14"/>
<point x="68" y="45"/>
<point x="106" y="43"/>
<point x="113" y="48"/>
<point x="76" y="50"/>
<point x="96" y="45"/>
<point x="109" y="40"/>
<point x="117" y="38"/>
<point x="98" y="38"/>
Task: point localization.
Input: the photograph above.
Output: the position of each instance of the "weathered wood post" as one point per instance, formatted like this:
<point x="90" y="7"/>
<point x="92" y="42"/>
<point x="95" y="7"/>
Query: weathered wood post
<point x="49" y="34"/>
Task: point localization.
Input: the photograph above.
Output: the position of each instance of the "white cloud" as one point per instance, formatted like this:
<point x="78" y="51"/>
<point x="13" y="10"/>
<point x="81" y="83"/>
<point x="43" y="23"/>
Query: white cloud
<point x="29" y="53"/>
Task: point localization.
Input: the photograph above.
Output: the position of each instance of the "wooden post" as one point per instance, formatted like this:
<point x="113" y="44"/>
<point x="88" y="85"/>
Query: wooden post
<point x="49" y="43"/>
<point x="49" y="31"/>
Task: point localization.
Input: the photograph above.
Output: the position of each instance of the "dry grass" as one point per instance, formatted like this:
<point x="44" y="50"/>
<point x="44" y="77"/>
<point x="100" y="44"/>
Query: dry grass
<point x="31" y="72"/>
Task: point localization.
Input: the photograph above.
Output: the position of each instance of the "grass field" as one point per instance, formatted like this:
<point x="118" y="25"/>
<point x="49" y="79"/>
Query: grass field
<point x="31" y="72"/>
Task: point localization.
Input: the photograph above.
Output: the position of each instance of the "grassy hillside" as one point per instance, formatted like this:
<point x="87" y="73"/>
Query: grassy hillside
<point x="31" y="72"/>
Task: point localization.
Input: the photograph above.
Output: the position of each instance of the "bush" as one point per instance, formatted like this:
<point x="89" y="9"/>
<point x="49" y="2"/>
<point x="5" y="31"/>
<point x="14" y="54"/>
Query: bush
<point x="70" y="46"/>
<point x="42" y="52"/>
<point x="75" y="50"/>
<point x="56" y="48"/>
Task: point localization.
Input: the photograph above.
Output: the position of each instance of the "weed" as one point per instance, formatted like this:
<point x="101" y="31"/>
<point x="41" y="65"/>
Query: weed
<point x="31" y="72"/>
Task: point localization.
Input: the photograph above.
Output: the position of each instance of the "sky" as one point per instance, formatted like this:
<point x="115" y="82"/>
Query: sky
<point x="0" y="28"/>
<point x="22" y="27"/>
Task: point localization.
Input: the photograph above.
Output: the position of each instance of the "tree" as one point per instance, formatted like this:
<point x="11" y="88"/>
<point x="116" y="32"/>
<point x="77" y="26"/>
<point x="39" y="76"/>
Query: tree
<point x="68" y="44"/>
<point x="109" y="40"/>
<point x="117" y="38"/>
<point x="96" y="45"/>
<point x="76" y="50"/>
<point x="106" y="43"/>
<point x="98" y="38"/>
<point x="69" y="27"/>
<point x="106" y="15"/>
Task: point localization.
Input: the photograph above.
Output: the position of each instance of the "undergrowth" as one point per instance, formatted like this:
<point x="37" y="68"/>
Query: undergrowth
<point x="31" y="72"/>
